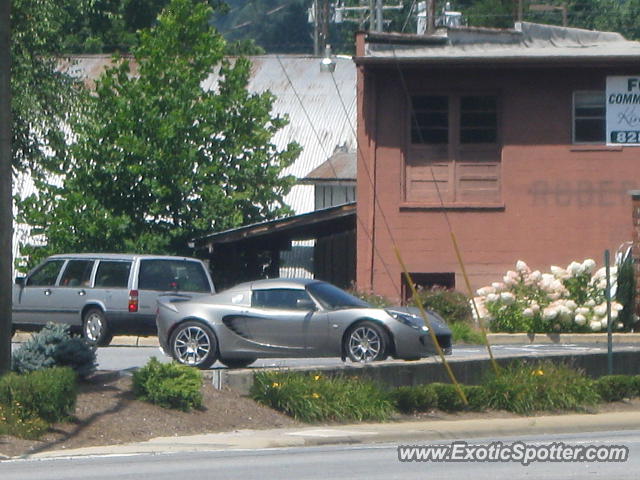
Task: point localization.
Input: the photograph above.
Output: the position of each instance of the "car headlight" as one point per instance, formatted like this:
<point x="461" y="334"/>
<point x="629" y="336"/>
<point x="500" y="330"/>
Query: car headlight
<point x="409" y="320"/>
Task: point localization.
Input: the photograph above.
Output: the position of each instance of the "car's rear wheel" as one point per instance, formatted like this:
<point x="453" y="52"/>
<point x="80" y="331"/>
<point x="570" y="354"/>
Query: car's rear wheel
<point x="95" y="329"/>
<point x="366" y="342"/>
<point x="237" y="362"/>
<point x="194" y="344"/>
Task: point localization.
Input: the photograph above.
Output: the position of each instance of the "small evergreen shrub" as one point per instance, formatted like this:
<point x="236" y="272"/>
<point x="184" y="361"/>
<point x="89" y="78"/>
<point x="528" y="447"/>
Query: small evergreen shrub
<point x="524" y="388"/>
<point x="451" y="305"/>
<point x="313" y="397"/>
<point x="54" y="346"/>
<point x="626" y="292"/>
<point x="419" y="398"/>
<point x="170" y="385"/>
<point x="448" y="397"/>
<point x="30" y="402"/>
<point x="613" y="388"/>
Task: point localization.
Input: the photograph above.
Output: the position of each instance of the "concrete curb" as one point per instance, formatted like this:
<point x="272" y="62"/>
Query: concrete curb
<point x="402" y="433"/>
<point x="494" y="339"/>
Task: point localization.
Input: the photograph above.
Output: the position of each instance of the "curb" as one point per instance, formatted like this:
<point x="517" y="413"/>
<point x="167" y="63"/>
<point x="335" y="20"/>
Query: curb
<point x="402" y="433"/>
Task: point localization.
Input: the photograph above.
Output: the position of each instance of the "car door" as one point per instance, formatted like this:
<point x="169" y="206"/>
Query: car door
<point x="283" y="318"/>
<point x="71" y="294"/>
<point x="37" y="300"/>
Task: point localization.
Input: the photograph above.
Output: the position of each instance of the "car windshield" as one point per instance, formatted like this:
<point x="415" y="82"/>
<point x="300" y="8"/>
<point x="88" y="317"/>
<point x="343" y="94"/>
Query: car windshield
<point x="333" y="298"/>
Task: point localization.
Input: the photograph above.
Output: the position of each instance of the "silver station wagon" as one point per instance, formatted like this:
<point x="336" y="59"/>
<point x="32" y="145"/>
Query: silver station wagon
<point x="104" y="294"/>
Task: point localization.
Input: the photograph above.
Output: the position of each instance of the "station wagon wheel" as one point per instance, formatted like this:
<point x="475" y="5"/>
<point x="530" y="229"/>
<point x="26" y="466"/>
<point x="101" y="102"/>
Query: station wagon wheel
<point x="194" y="344"/>
<point x="366" y="342"/>
<point x="95" y="329"/>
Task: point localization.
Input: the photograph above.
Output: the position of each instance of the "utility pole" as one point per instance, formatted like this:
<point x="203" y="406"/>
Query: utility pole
<point x="320" y="26"/>
<point x="6" y="202"/>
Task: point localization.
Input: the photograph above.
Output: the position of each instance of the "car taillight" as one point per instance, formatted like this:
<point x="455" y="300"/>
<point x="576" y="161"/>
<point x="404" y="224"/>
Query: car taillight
<point x="133" y="300"/>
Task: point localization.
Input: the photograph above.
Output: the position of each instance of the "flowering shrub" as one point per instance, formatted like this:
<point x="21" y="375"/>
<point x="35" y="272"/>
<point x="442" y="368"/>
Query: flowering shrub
<point x="568" y="299"/>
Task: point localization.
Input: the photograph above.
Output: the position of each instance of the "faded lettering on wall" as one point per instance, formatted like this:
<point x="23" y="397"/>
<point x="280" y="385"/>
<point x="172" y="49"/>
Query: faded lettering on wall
<point x="580" y="193"/>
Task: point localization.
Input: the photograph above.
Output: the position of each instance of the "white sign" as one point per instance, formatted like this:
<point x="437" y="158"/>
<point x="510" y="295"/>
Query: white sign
<point x="623" y="110"/>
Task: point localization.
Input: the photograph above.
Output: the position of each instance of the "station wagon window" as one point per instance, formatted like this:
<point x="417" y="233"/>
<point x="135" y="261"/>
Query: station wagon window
<point x="166" y="275"/>
<point x="282" y="298"/>
<point x="46" y="275"/>
<point x="113" y="274"/>
<point x="77" y="273"/>
<point x="588" y="117"/>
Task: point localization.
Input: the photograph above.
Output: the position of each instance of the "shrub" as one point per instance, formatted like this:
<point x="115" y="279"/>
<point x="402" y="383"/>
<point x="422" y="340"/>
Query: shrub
<point x="53" y="346"/>
<point x="451" y="305"/>
<point x="613" y="388"/>
<point x="464" y="333"/>
<point x="31" y="401"/>
<point x="313" y="397"/>
<point x="169" y="385"/>
<point x="419" y="398"/>
<point x="477" y="396"/>
<point x="528" y="387"/>
<point x="448" y="397"/>
<point x="626" y="291"/>
<point x="565" y="300"/>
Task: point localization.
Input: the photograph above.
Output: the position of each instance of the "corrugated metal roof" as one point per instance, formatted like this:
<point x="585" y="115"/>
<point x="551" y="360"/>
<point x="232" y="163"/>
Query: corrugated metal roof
<point x="528" y="42"/>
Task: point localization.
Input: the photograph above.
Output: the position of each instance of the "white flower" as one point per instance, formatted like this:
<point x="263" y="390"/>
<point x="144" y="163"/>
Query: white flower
<point x="588" y="265"/>
<point x="603" y="323"/>
<point x="507" y="297"/>
<point x="570" y="304"/>
<point x="498" y="286"/>
<point x="575" y="269"/>
<point x="549" y="313"/>
<point x="617" y="306"/>
<point x="484" y="291"/>
<point x="600" y="310"/>
<point x="527" y="313"/>
<point x="580" y="319"/>
<point x="559" y="272"/>
<point x="535" y="307"/>
<point x="614" y="314"/>
<point x="595" y="326"/>
<point x="536" y="276"/>
<point x="583" y="311"/>
<point x="522" y="267"/>
<point x="492" y="297"/>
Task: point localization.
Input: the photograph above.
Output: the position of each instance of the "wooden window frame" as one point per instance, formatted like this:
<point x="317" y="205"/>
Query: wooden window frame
<point x="574" y="117"/>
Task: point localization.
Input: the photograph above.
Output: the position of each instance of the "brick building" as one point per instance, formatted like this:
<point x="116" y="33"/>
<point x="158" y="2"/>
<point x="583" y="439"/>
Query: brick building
<point x="499" y="136"/>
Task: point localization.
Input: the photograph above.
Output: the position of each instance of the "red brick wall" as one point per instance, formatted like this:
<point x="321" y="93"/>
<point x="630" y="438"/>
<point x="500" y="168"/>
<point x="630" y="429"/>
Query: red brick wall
<point x="635" y="213"/>
<point x="561" y="202"/>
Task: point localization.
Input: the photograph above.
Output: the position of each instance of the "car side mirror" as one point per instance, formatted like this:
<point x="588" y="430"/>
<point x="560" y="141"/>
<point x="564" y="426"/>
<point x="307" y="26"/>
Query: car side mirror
<point x="20" y="281"/>
<point x="305" y="304"/>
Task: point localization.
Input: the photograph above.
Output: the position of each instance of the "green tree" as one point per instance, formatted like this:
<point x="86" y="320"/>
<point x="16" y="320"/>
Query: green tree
<point x="160" y="160"/>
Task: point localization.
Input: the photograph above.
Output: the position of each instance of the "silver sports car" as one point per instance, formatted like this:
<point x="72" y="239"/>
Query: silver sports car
<point x="291" y="318"/>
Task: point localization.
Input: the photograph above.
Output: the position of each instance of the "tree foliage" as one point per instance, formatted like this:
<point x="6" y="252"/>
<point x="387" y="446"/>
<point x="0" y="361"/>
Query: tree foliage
<point x="160" y="160"/>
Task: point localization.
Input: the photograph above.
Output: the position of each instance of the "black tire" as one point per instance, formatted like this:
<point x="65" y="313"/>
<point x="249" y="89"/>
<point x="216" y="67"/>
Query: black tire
<point x="194" y="343"/>
<point x="366" y="342"/>
<point x="95" y="328"/>
<point x="237" y="362"/>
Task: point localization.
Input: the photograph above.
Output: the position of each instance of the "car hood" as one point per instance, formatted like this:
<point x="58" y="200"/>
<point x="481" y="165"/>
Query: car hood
<point x="436" y="321"/>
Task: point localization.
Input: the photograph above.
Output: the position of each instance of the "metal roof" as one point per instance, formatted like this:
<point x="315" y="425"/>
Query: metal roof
<point x="528" y="43"/>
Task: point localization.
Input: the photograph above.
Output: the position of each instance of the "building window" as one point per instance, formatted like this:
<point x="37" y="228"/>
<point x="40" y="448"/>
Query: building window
<point x="588" y="117"/>
<point x="453" y="153"/>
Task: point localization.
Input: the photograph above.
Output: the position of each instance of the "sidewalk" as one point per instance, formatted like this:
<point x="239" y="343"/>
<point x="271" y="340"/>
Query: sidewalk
<point x="401" y="433"/>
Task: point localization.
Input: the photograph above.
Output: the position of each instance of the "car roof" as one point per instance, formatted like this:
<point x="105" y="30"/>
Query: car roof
<point x="117" y="256"/>
<point x="292" y="283"/>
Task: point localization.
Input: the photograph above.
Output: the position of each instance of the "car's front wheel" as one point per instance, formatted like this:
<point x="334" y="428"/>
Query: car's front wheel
<point x="95" y="329"/>
<point x="194" y="344"/>
<point x="366" y="342"/>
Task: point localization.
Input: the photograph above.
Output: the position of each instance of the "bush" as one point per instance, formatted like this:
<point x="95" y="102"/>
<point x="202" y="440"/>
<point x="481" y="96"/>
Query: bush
<point x="464" y="333"/>
<point x="448" y="397"/>
<point x="613" y="388"/>
<point x="312" y="397"/>
<point x="53" y="346"/>
<point x="451" y="305"/>
<point x="626" y="291"/>
<point x="170" y="385"/>
<point x="525" y="387"/>
<point x="419" y="398"/>
<point x="477" y="396"/>
<point x="32" y="401"/>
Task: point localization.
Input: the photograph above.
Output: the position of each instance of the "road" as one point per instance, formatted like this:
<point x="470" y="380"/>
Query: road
<point x="124" y="358"/>
<point x="331" y="462"/>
